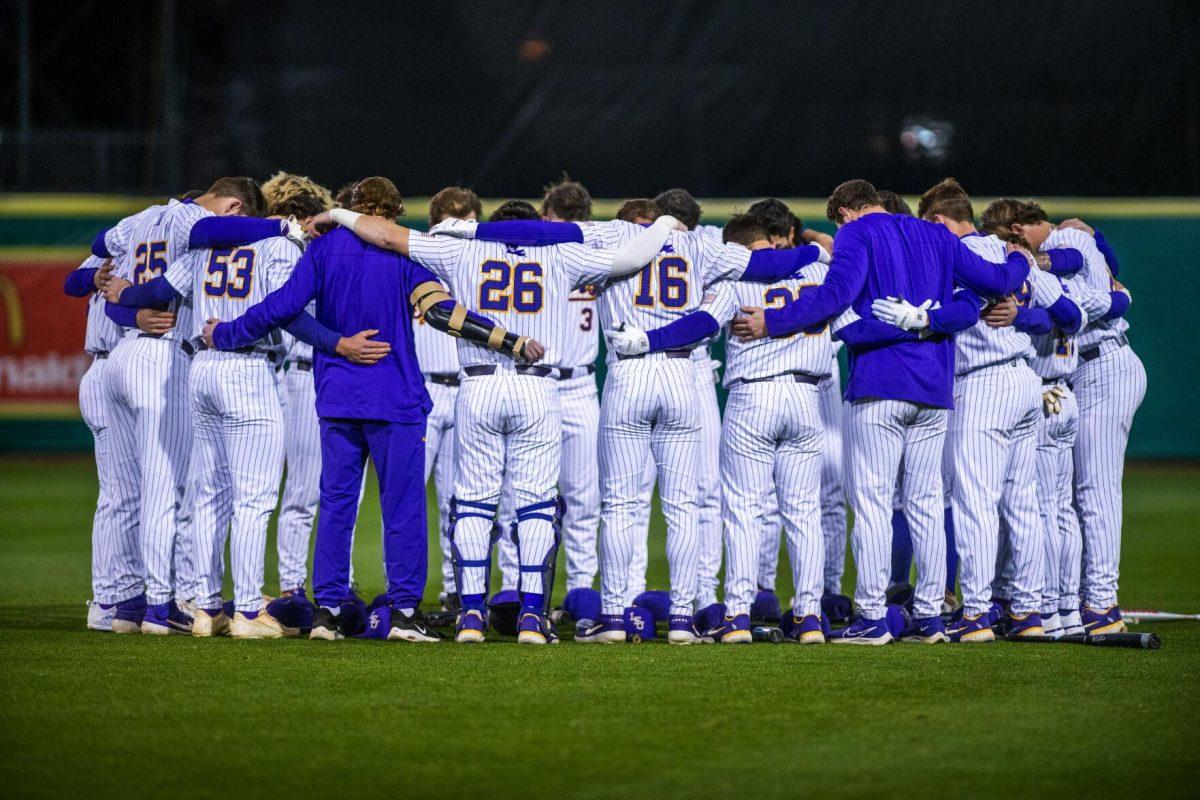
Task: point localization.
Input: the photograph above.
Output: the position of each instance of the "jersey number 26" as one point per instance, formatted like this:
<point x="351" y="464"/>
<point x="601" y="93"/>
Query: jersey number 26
<point x="511" y="287"/>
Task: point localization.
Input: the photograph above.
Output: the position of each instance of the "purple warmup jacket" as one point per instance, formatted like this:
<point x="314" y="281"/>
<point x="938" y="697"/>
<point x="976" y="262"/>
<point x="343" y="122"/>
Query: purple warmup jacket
<point x="881" y="255"/>
<point x="356" y="287"/>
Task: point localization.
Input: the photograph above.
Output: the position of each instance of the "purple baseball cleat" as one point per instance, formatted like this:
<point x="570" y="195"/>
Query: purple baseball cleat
<point x="802" y="630"/>
<point x="1022" y="625"/>
<point x="971" y="629"/>
<point x="864" y="631"/>
<point x="128" y="615"/>
<point x="535" y="629"/>
<point x="607" y="629"/>
<point x="732" y="630"/>
<point x="925" y="630"/>
<point x="1106" y="620"/>
<point x="470" y="628"/>
<point x="681" y="629"/>
<point x="164" y="619"/>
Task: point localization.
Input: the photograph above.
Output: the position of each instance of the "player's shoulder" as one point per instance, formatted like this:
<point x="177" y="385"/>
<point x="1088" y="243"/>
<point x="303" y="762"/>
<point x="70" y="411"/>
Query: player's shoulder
<point x="1068" y="237"/>
<point x="279" y="247"/>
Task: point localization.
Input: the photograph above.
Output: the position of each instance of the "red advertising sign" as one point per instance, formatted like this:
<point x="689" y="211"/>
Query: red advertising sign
<point x="41" y="338"/>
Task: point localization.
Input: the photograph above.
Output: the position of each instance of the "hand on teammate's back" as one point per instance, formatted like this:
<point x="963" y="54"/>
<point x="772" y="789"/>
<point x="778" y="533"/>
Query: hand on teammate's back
<point x="361" y="349"/>
<point x="532" y="352"/>
<point x="155" y="322"/>
<point x="1001" y="315"/>
<point x="113" y="288"/>
<point x="103" y="275"/>
<point x="1078" y="225"/>
<point x="627" y="340"/>
<point x="750" y="327"/>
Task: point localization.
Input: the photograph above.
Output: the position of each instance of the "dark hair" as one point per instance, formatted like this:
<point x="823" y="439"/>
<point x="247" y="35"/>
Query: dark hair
<point x="342" y="198"/>
<point x="639" y="208"/>
<point x="377" y="197"/>
<point x="948" y="199"/>
<point x="514" y="209"/>
<point x="241" y="188"/>
<point x="680" y="204"/>
<point x="568" y="201"/>
<point x="854" y="194"/>
<point x="894" y="203"/>
<point x="777" y="218"/>
<point x="1001" y="215"/>
<point x="454" y="201"/>
<point x="745" y="229"/>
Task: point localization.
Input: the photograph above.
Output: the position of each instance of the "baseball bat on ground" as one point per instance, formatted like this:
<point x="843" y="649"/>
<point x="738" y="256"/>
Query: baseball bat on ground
<point x="766" y="633"/>
<point x="1135" y="641"/>
<point x="1136" y="615"/>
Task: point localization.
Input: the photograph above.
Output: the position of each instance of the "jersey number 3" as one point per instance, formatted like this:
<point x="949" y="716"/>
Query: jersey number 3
<point x="230" y="273"/>
<point x="511" y="287"/>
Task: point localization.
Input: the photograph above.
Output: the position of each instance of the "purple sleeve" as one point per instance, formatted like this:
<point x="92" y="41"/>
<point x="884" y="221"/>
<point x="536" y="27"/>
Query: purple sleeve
<point x="230" y="231"/>
<point x="770" y="266"/>
<point x="529" y="232"/>
<point x="985" y="277"/>
<point x="846" y="275"/>
<point x="277" y="308"/>
<point x="1065" y="261"/>
<point x="307" y="329"/>
<point x="1034" y="321"/>
<point x="1110" y="255"/>
<point x="1120" y="305"/>
<point x="155" y="292"/>
<point x="959" y="314"/>
<point x="122" y="315"/>
<point x="1065" y="314"/>
<point x="868" y="333"/>
<point x="99" y="246"/>
<point x="686" y="330"/>
<point x="81" y="282"/>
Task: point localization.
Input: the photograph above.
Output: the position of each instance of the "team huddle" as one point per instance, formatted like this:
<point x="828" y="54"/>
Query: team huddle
<point x="990" y="392"/>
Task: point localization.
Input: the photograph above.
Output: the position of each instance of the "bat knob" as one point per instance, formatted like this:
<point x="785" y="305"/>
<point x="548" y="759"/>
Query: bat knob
<point x="1152" y="641"/>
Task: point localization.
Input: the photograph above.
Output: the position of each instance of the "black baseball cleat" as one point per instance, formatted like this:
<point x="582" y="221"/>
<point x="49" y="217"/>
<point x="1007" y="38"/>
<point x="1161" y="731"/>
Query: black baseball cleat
<point x="412" y="628"/>
<point x="325" y="626"/>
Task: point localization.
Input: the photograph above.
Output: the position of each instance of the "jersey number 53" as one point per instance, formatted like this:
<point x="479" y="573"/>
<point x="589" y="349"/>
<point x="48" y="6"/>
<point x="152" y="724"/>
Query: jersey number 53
<point x="230" y="273"/>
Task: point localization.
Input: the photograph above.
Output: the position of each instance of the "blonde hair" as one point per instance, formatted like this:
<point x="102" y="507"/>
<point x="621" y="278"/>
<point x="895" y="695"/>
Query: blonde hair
<point x="377" y="197"/>
<point x="286" y="194"/>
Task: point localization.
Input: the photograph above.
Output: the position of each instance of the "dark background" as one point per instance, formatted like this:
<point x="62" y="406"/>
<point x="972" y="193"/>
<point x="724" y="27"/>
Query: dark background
<point x="725" y="98"/>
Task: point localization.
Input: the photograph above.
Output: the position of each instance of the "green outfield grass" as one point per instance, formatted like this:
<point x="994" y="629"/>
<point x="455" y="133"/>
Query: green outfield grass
<point x="96" y="715"/>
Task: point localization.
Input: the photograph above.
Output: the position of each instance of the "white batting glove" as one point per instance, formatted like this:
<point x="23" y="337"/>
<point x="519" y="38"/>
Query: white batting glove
<point x="293" y="231"/>
<point x="458" y="228"/>
<point x="901" y="313"/>
<point x="626" y="340"/>
<point x="1052" y="400"/>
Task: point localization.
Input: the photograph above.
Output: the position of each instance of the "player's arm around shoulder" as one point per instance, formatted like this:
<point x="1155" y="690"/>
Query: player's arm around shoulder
<point x="441" y="312"/>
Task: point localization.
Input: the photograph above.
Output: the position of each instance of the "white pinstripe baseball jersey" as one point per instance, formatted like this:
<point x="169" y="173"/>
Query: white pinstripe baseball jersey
<point x="102" y="334"/>
<point x="1055" y="354"/>
<point x="436" y="352"/>
<point x="523" y="289"/>
<point x="1096" y="283"/>
<point x="582" y="340"/>
<point x="808" y="352"/>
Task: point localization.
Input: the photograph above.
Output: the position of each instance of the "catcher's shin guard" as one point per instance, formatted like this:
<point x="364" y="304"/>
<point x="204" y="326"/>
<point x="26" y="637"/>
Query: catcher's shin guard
<point x="462" y="509"/>
<point x="551" y="511"/>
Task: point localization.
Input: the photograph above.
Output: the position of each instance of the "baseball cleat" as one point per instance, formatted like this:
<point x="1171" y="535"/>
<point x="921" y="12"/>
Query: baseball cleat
<point x="412" y="628"/>
<point x="608" y="629"/>
<point x="128" y="615"/>
<point x="950" y="603"/>
<point x="1070" y="621"/>
<point x="470" y="628"/>
<point x="1021" y="625"/>
<point x="1052" y="624"/>
<point x="325" y="626"/>
<point x="166" y="619"/>
<point x="863" y="631"/>
<point x="451" y="602"/>
<point x="971" y="629"/>
<point x="682" y="630"/>
<point x="297" y="593"/>
<point x="100" y="616"/>
<point x="258" y="625"/>
<point x="210" y="623"/>
<point x="734" y="630"/>
<point x="535" y="629"/>
<point x="1107" y="620"/>
<point x="803" y="630"/>
<point x="925" y="630"/>
<point x="708" y="617"/>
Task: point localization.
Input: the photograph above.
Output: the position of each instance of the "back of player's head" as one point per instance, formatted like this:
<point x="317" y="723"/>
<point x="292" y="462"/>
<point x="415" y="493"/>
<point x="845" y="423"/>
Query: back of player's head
<point x="1001" y="215"/>
<point x="894" y="203"/>
<point x="745" y="229"/>
<point x="456" y="202"/>
<point x="286" y="194"/>
<point x="777" y="218"/>
<point x="853" y="195"/>
<point x="376" y="197"/>
<point x="242" y="189"/>
<point x="639" y="210"/>
<point x="948" y="199"/>
<point x="514" y="209"/>
<point x="342" y="198"/>
<point x="680" y="204"/>
<point x="567" y="201"/>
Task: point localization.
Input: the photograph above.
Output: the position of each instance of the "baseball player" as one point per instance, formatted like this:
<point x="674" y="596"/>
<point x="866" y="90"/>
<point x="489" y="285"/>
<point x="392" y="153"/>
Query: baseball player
<point x="1109" y="384"/>
<point x="771" y="436"/>
<point x="508" y="415"/>
<point x="992" y="434"/>
<point x="898" y="393"/>
<point x="146" y="391"/>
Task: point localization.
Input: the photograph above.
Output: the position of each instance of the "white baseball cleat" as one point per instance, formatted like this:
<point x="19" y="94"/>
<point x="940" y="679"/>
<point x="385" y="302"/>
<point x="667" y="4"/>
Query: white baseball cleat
<point x="210" y="623"/>
<point x="100" y="618"/>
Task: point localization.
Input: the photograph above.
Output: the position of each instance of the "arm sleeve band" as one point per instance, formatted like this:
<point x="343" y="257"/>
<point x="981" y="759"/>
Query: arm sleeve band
<point x="230" y="231"/>
<point x="1065" y="261"/>
<point x="152" y="293"/>
<point x="959" y="314"/>
<point x="307" y="329"/>
<point x="81" y="282"/>
<point x="122" y="315"/>
<point x="769" y="266"/>
<point x="688" y="329"/>
<point x="1120" y="305"/>
<point x="531" y="232"/>
<point x="99" y="246"/>
<point x="1110" y="255"/>
<point x="1032" y="320"/>
<point x="1066" y="314"/>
